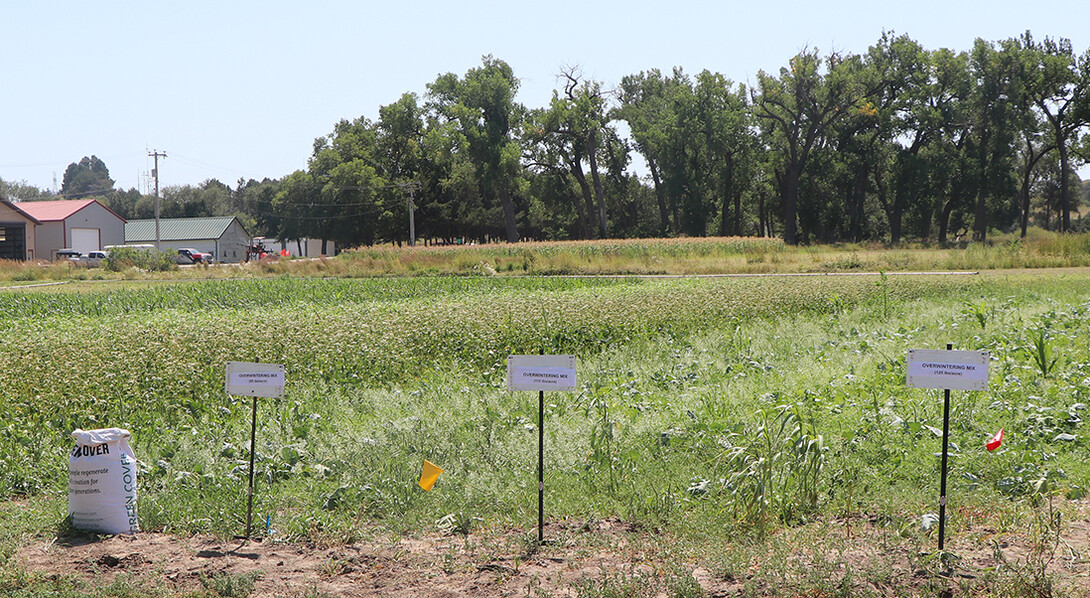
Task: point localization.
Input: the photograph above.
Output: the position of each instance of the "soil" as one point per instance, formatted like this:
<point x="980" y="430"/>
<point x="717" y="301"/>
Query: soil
<point x="501" y="563"/>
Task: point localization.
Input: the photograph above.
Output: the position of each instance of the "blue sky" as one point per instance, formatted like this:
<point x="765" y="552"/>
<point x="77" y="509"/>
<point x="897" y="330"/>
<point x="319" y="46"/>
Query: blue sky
<point x="232" y="89"/>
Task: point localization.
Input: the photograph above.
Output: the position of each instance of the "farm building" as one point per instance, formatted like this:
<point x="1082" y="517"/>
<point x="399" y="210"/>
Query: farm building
<point x="16" y="232"/>
<point x="222" y="236"/>
<point x="81" y="224"/>
<point x="302" y="247"/>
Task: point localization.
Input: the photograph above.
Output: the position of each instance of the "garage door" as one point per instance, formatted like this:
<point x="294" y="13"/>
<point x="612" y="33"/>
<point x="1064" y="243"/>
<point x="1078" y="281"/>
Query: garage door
<point x="12" y="241"/>
<point x="85" y="239"/>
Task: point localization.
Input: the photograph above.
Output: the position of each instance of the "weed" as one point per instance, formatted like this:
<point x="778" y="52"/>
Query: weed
<point x="1030" y="576"/>
<point x="227" y="585"/>
<point x="619" y="585"/>
<point x="456" y="523"/>
<point x="314" y="592"/>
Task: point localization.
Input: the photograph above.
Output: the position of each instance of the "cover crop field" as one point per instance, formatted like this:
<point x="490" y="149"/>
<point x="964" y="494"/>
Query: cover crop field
<point x="748" y="435"/>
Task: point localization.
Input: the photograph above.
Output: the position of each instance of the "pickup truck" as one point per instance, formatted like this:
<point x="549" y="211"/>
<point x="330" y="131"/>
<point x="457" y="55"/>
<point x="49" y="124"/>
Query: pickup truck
<point x="94" y="259"/>
<point x="192" y="256"/>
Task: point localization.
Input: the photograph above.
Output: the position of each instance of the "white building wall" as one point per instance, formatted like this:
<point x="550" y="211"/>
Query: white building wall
<point x="302" y="248"/>
<point x="110" y="226"/>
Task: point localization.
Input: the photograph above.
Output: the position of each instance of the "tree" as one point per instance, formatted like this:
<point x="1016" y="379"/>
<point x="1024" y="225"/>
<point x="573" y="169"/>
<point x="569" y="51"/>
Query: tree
<point x="698" y="140"/>
<point x="87" y="177"/>
<point x="1032" y="150"/>
<point x="123" y="203"/>
<point x="715" y="118"/>
<point x="256" y="211"/>
<point x="294" y="206"/>
<point x="210" y="198"/>
<point x="797" y="110"/>
<point x="920" y="92"/>
<point x="574" y="134"/>
<point x="1058" y="83"/>
<point x="555" y="156"/>
<point x="482" y="108"/>
<point x="399" y="159"/>
<point x="341" y="196"/>
<point x="22" y="191"/>
<point x="994" y="117"/>
<point x="645" y="106"/>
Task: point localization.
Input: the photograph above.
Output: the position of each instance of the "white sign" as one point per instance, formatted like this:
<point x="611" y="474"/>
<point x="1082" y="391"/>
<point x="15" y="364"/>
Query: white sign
<point x="255" y="379"/>
<point x="541" y="372"/>
<point x="956" y="370"/>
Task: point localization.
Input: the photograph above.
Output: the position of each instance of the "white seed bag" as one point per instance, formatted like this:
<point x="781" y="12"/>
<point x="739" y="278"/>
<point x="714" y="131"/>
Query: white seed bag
<point x="102" y="482"/>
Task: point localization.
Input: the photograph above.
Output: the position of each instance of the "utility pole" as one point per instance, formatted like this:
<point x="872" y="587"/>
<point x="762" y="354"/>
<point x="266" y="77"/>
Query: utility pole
<point x="413" y="186"/>
<point x="412" y="220"/>
<point x="155" y="173"/>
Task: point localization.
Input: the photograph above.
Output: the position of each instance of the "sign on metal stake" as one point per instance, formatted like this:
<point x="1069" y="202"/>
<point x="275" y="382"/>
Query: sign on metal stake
<point x="541" y="373"/>
<point x="254" y="380"/>
<point x="949" y="369"/>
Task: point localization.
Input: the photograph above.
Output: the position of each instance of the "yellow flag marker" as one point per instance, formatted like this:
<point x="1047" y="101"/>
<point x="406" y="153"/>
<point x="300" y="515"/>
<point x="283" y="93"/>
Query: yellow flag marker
<point x="430" y="474"/>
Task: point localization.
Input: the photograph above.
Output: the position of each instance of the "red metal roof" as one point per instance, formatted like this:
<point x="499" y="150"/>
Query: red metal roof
<point x="50" y="211"/>
<point x="16" y="209"/>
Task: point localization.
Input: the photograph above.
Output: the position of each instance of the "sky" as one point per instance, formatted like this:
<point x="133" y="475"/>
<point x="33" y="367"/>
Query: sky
<point x="240" y="89"/>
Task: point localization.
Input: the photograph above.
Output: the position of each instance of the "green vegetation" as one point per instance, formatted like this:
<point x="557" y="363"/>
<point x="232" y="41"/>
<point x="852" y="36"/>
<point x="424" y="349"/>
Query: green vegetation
<point x="124" y="258"/>
<point x="725" y="412"/>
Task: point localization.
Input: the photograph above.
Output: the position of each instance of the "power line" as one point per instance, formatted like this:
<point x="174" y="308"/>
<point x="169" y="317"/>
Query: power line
<point x="40" y="164"/>
<point x="409" y="186"/>
<point x="318" y="205"/>
<point x="209" y="166"/>
<point x="316" y="218"/>
<point x="103" y="190"/>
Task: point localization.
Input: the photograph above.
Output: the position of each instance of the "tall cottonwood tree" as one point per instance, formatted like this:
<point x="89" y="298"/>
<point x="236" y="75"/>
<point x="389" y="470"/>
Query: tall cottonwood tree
<point x="993" y="119"/>
<point x="717" y="117"/>
<point x="797" y="110"/>
<point x="919" y="88"/>
<point x="1058" y="84"/>
<point x="647" y="108"/>
<point x="481" y="106"/>
<point x="574" y="133"/>
<point x="698" y="140"/>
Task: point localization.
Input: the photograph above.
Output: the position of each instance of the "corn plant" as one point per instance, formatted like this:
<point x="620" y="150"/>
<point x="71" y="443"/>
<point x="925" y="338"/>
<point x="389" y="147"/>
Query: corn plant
<point x="1040" y="350"/>
<point x="774" y="467"/>
<point x="979" y="311"/>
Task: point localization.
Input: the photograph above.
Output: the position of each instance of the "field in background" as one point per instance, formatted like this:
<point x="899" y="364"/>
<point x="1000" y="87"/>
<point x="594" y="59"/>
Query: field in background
<point x="724" y="417"/>
<point x="731" y="255"/>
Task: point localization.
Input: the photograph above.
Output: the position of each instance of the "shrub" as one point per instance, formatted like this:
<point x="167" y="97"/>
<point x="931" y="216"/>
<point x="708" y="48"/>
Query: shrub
<point x="123" y="258"/>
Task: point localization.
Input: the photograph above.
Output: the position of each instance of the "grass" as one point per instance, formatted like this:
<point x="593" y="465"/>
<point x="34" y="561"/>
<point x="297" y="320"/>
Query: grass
<point x="726" y="412"/>
<point x="729" y="255"/>
<point x="712" y="255"/>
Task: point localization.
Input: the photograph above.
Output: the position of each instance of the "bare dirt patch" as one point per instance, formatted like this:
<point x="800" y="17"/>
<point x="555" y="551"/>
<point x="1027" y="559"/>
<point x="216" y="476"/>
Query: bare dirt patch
<point x="499" y="564"/>
<point x="860" y="552"/>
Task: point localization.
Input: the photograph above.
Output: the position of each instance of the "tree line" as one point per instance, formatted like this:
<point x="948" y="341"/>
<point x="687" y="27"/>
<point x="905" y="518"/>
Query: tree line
<point x="897" y="143"/>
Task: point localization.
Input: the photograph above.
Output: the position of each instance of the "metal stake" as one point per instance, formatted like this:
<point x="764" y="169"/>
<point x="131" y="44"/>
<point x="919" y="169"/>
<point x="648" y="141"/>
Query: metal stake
<point x="945" y="446"/>
<point x="540" y="467"/>
<point x="253" y="447"/>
